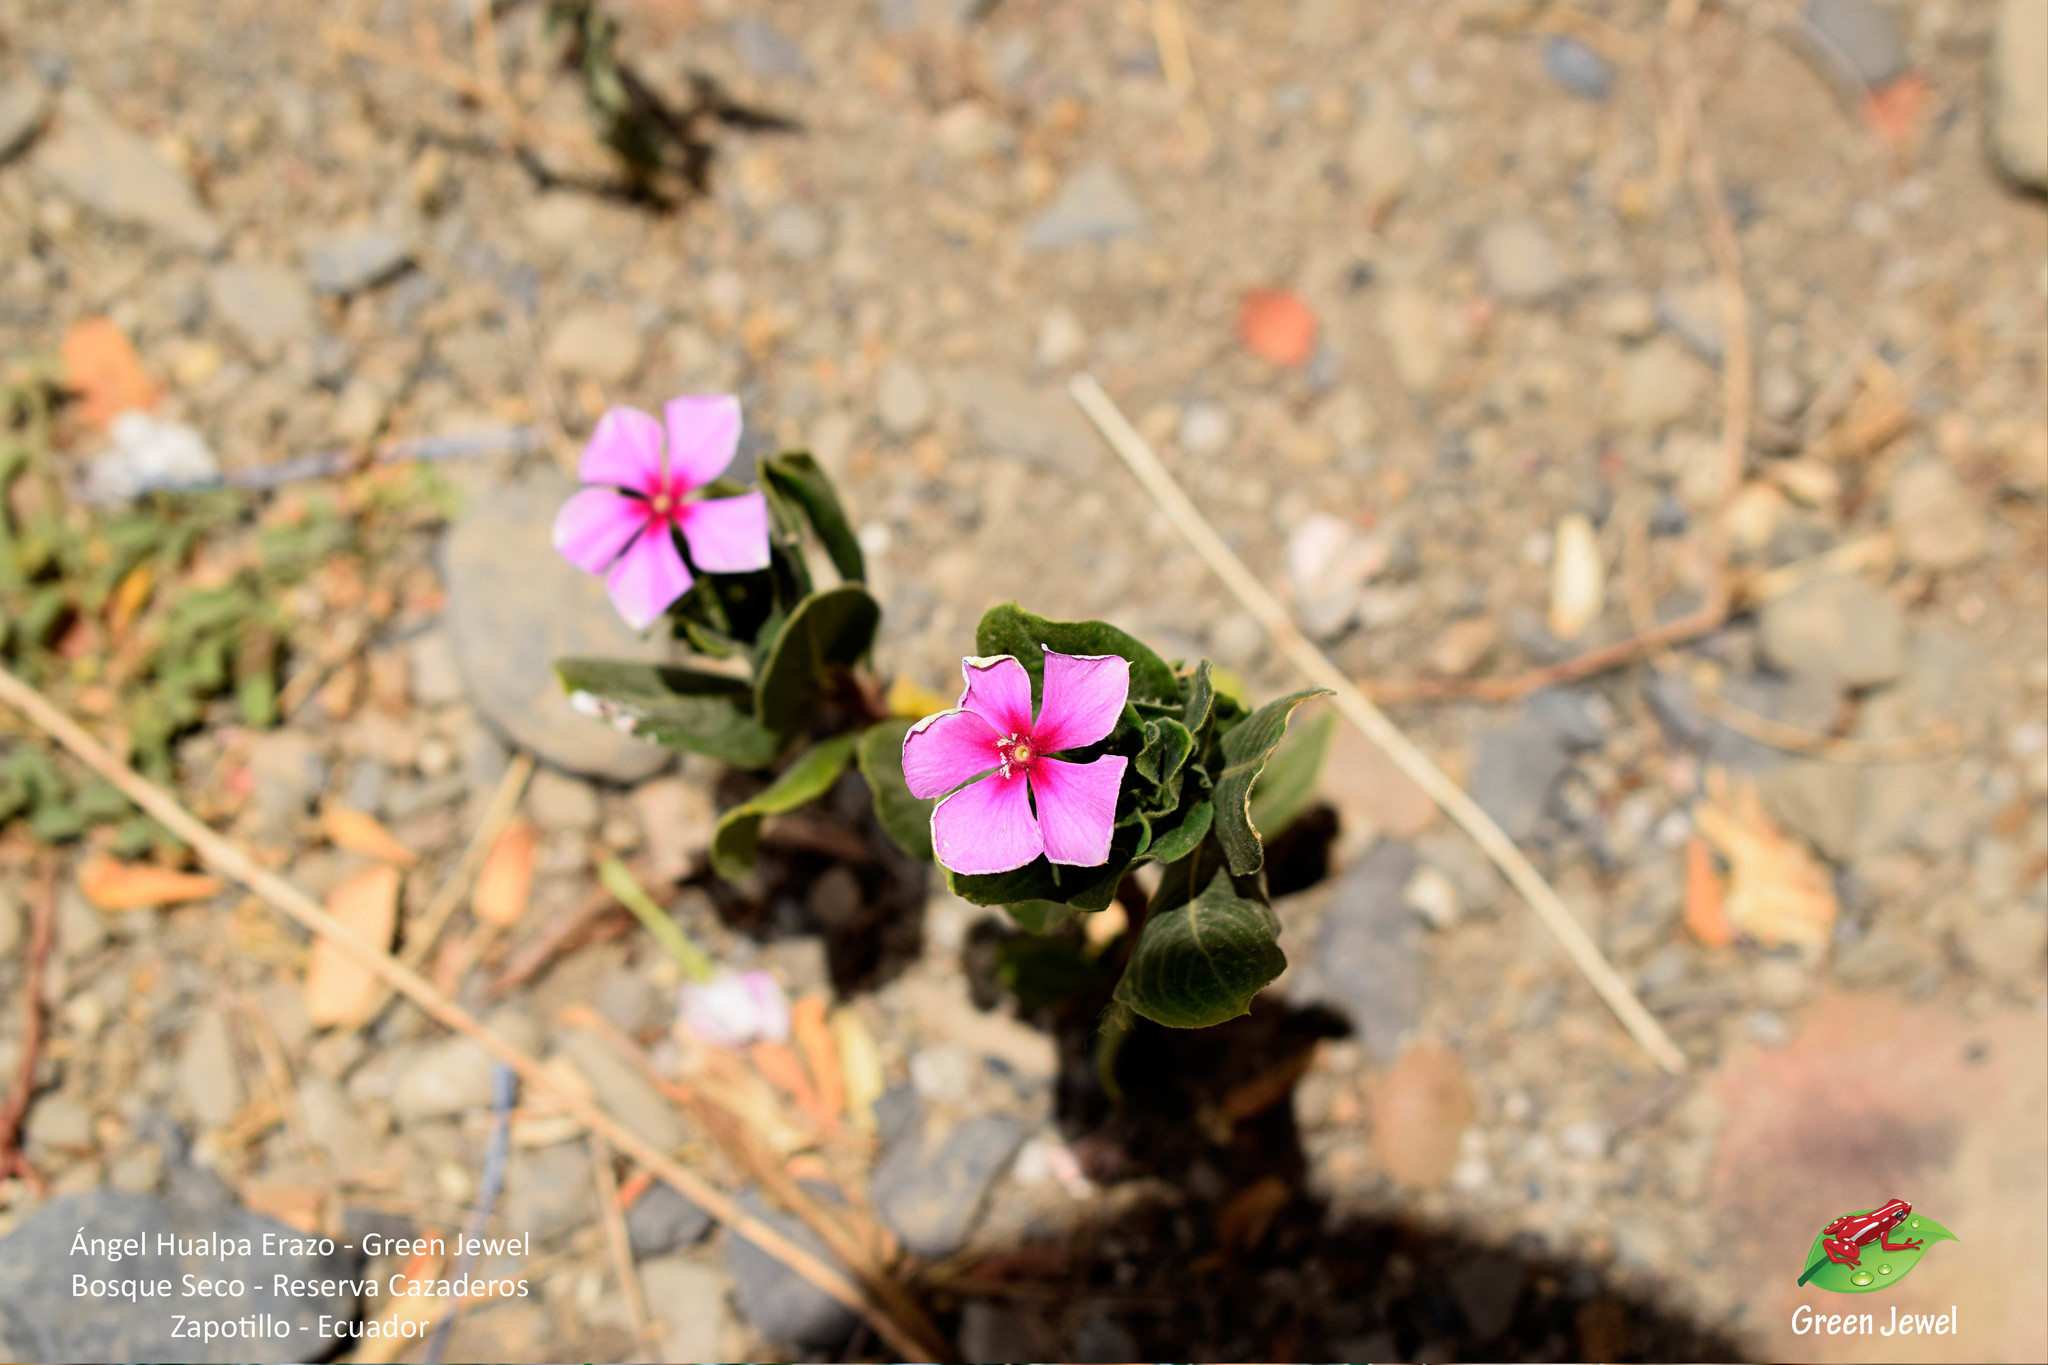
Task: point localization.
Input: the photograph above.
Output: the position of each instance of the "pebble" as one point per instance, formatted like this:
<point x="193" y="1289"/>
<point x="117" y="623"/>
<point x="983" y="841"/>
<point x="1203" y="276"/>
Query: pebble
<point x="1577" y="68"/>
<point x="349" y="262"/>
<point x="796" y="232"/>
<point x="1630" y="315"/>
<point x="1462" y="646"/>
<point x="1061" y="339"/>
<point x="208" y="1076"/>
<point x="1578" y="577"/>
<point x="688" y="1299"/>
<point x="1939" y="524"/>
<point x="1781" y="394"/>
<point x="514" y="607"/>
<point x="2019" y="86"/>
<point x="1432" y="895"/>
<point x="58" y="1121"/>
<point x="550" y="1190"/>
<point x="2007" y="945"/>
<point x="1095" y="205"/>
<point x="1520" y="263"/>
<point x="117" y="174"/>
<point x="431" y="674"/>
<point x="1381" y="157"/>
<point x="41" y="1319"/>
<point x="1368" y="959"/>
<point x="1655" y="385"/>
<point x="1204" y="428"/>
<point x="80" y="930"/>
<point x="767" y="50"/>
<point x="12" y="922"/>
<point x="676" y="818"/>
<point x="1411" y="321"/>
<point x="1420" y="1106"/>
<point x="595" y="343"/>
<point x="360" y="410"/>
<point x="1821" y="802"/>
<point x="662" y="1221"/>
<point x="1328" y="560"/>
<point x="1865" y="32"/>
<point x="930" y="1185"/>
<point x="1692" y="313"/>
<point x="1514" y="771"/>
<point x="559" y="802"/>
<point x="624" y="1092"/>
<point x="780" y="1305"/>
<point x="148" y="454"/>
<point x="24" y="104"/>
<point x="1835" y="626"/>
<point x="267" y="305"/>
<point x="447" y="1078"/>
<point x="903" y="400"/>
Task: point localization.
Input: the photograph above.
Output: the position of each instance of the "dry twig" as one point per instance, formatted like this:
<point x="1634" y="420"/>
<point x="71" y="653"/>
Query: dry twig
<point x="12" y="1160"/>
<point x="906" y="1332"/>
<point x="616" y="1239"/>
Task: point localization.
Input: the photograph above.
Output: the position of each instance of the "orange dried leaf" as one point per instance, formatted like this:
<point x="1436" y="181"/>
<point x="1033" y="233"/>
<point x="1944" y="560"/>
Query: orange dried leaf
<point x="1893" y="109"/>
<point x="1704" y="914"/>
<point x="101" y="367"/>
<point x="141" y="886"/>
<point x="780" y="1065"/>
<point x="821" y="1054"/>
<point x="1276" y="325"/>
<point x="129" y="599"/>
<point x="351" y="829"/>
<point x="505" y="883"/>
<point x="338" y="990"/>
<point x="1778" y="892"/>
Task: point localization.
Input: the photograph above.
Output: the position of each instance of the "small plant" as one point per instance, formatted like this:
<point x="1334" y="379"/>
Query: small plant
<point x="1075" y="755"/>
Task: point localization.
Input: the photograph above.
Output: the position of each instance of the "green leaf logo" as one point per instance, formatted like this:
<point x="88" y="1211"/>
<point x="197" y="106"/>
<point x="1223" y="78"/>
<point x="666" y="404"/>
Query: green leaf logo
<point x="1878" y="1269"/>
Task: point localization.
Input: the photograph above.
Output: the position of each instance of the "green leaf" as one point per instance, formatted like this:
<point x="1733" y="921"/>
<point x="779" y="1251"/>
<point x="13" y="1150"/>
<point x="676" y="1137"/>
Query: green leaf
<point x="1178" y="842"/>
<point x="904" y="818"/>
<point x="1009" y="629"/>
<point x="1042" y="971"/>
<point x="683" y="708"/>
<point x="738" y="832"/>
<point x="1199" y="712"/>
<point x="1084" y="888"/>
<point x="1201" y="962"/>
<point x="1117" y="1025"/>
<point x="1289" y="782"/>
<point x="827" y="632"/>
<point x="1166" y="749"/>
<point x="799" y="478"/>
<point x="1040" y="917"/>
<point x="1841" y="1279"/>
<point x="1245" y="750"/>
<point x="621" y="883"/>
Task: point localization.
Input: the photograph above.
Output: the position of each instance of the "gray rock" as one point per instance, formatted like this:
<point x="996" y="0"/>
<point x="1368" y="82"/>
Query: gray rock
<point x="1836" y="626"/>
<point x="267" y="305"/>
<point x="896" y="1113"/>
<point x="364" y="787"/>
<point x="903" y="401"/>
<point x="1692" y="313"/>
<point x="689" y="1301"/>
<point x="1368" y="959"/>
<point x="1514" y="771"/>
<point x="514" y="607"/>
<point x="58" y="1120"/>
<point x="767" y="50"/>
<point x="1578" y="717"/>
<point x="1808" y="701"/>
<point x="1655" y="386"/>
<point x="1578" y="68"/>
<point x="1093" y="206"/>
<point x="13" y="923"/>
<point x="1821" y="802"/>
<point x="596" y="343"/>
<point x="24" y="104"/>
<point x="623" y="1091"/>
<point x="1520" y="263"/>
<point x="41" y="1319"/>
<point x="289" y="770"/>
<point x="557" y="802"/>
<point x="430" y="669"/>
<point x="550" y="1190"/>
<point x="1204" y="428"/>
<point x="448" y="1077"/>
<point x="208" y="1076"/>
<point x="1676" y="706"/>
<point x="627" y="998"/>
<point x="1939" y="524"/>
<point x="79" y="931"/>
<point x="797" y="233"/>
<point x="1039" y="426"/>
<point x="2019" y="92"/>
<point x="931" y="16"/>
<point x="662" y="1221"/>
<point x="781" y="1305"/>
<point x="1865" y="33"/>
<point x="118" y="175"/>
<point x="348" y="262"/>
<point x="930" y="1186"/>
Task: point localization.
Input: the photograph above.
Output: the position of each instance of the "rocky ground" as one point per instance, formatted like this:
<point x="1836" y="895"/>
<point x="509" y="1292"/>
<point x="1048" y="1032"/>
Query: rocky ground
<point x="1495" y="448"/>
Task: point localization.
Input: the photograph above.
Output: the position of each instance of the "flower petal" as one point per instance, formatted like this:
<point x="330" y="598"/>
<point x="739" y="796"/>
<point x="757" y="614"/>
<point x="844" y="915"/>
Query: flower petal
<point x="1084" y="694"/>
<point x="986" y="826"/>
<point x="728" y="535"/>
<point x="942" y="751"/>
<point x="625" y="450"/>
<point x="999" y="691"/>
<point x="703" y="433"/>
<point x="647" y="578"/>
<point x="595" y="524"/>
<point x="1077" y="807"/>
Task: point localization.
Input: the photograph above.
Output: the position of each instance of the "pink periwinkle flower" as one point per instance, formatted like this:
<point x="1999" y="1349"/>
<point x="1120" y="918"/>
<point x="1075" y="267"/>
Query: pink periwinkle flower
<point x="623" y="525"/>
<point x="736" y="1008"/>
<point x="1011" y="800"/>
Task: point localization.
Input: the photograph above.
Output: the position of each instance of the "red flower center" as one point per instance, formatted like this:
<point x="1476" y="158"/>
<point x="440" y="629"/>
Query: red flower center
<point x="1016" y="754"/>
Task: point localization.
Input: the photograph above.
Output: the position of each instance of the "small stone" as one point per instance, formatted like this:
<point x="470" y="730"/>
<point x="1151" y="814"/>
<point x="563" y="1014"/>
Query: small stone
<point x="11" y="922"/>
<point x="1578" y="577"/>
<point x="1514" y="771"/>
<point x="1381" y="158"/>
<point x="628" y="1000"/>
<point x="782" y="1306"/>
<point x="1755" y="516"/>
<point x="1038" y="425"/>
<point x="1520" y="263"/>
<point x="1692" y="313"/>
<point x="449" y="1077"/>
<point x="595" y="343"/>
<point x="1432" y="895"/>
<point x="1060" y="339"/>
<point x="208" y="1076"/>
<point x="1940" y="526"/>
<point x="359" y="411"/>
<point x="1781" y="394"/>
<point x="2019" y="86"/>
<point x="676" y="818"/>
<point x="1462" y="646"/>
<point x="24" y="104"/>
<point x="1835" y="626"/>
<point x="1328" y="560"/>
<point x="1655" y="386"/>
<point x="767" y="50"/>
<point x="1204" y="428"/>
<point x="796" y="232"/>
<point x="431" y="673"/>
<point x="903" y="401"/>
<point x="118" y="175"/>
<point x="1411" y="321"/>
<point x="58" y="1121"/>
<point x="80" y="930"/>
<point x="1368" y="959"/>
<point x="352" y="261"/>
<point x="139" y="1170"/>
<point x="688" y="1298"/>
<point x="662" y="1221"/>
<point x="1630" y="315"/>
<point x="1865" y="32"/>
<point x="514" y="607"/>
<point x="1093" y="206"/>
<point x="550" y="1190"/>
<point x="149" y="455"/>
<point x="929" y="1187"/>
<point x="1586" y="1139"/>
<point x="1372" y="796"/>
<point x="623" y="1091"/>
<point x="558" y="802"/>
<point x="1420" y="1106"/>
<point x="1577" y="68"/>
<point x="268" y="305"/>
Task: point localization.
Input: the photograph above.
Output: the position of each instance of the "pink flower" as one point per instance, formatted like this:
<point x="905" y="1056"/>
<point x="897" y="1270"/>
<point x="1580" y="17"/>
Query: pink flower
<point x="736" y="1008"/>
<point x="623" y="527"/>
<point x="1011" y="800"/>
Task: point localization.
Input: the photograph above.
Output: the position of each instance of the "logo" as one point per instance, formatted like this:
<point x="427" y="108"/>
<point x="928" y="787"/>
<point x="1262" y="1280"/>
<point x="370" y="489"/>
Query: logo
<point x="1870" y="1250"/>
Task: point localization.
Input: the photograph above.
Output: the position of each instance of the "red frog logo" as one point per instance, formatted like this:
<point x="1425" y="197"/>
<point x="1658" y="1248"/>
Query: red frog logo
<point x="1842" y="1241"/>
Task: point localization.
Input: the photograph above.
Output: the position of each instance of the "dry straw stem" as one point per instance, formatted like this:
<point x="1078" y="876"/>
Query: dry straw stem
<point x="903" y="1329"/>
<point x="617" y="1240"/>
<point x="1419" y="767"/>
